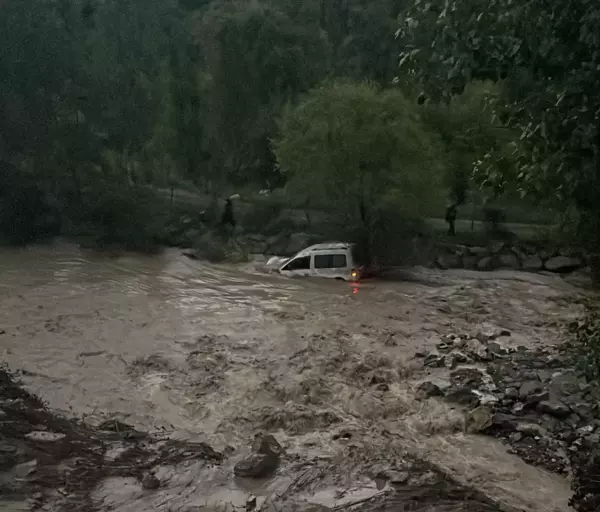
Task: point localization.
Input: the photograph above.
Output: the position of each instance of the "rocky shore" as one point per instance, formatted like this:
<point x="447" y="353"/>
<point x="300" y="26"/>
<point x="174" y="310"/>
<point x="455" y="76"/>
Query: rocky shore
<point x="536" y="401"/>
<point x="50" y="463"/>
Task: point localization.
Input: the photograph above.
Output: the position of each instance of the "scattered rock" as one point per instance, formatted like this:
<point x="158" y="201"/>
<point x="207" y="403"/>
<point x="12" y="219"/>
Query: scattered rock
<point x="537" y="397"/>
<point x="44" y="437"/>
<point x="463" y="396"/>
<point x="554" y="408"/>
<point x="518" y="408"/>
<point x="25" y="469"/>
<point x="428" y="389"/>
<point x="150" y="482"/>
<point x="565" y="384"/>
<point x="504" y="421"/>
<point x="479" y="419"/>
<point x="529" y="388"/>
<point x="434" y="360"/>
<point x="266" y="452"/>
<point x="251" y="503"/>
<point x="485" y="336"/>
<point x="453" y="359"/>
<point x="560" y="264"/>
<point x="511" y="393"/>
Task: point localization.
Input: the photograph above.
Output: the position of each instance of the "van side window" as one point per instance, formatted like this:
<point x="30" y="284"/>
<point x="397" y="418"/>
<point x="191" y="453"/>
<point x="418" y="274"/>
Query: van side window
<point x="330" y="261"/>
<point x="302" y="263"/>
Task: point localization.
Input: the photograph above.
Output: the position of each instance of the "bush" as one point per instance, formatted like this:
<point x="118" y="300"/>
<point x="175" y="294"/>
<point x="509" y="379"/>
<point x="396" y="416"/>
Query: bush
<point x="587" y="346"/>
<point x="132" y="217"/>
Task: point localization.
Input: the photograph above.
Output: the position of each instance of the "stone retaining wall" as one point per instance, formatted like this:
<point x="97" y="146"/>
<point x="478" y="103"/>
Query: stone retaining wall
<point x="499" y="255"/>
<point x="496" y="255"/>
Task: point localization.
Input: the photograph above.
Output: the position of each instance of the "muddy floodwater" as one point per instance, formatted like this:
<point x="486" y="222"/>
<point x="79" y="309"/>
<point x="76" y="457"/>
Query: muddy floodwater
<point x="215" y="354"/>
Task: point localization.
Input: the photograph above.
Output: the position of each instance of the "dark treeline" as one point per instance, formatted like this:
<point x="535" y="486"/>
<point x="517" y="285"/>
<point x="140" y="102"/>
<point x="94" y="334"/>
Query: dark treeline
<point x="375" y="107"/>
<point x="99" y="99"/>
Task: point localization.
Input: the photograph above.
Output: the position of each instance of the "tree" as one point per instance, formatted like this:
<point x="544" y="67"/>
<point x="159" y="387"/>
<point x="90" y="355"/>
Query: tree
<point x="548" y="56"/>
<point x="362" y="150"/>
<point x="257" y="59"/>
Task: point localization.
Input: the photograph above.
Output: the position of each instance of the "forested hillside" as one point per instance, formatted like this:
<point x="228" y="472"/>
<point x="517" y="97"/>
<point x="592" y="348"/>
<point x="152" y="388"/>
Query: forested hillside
<point x="385" y="106"/>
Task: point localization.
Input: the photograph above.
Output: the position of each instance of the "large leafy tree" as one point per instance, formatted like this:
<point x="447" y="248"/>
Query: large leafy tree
<point x="362" y="151"/>
<point x="548" y="55"/>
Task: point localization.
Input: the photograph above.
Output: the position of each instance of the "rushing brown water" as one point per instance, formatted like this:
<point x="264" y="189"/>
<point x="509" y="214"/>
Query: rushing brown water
<point x="215" y="353"/>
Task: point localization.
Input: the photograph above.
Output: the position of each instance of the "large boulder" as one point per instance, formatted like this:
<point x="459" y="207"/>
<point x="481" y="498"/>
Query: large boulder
<point x="263" y="460"/>
<point x="561" y="264"/>
<point x="486" y="263"/>
<point x="480" y="252"/>
<point x="533" y="263"/>
<point x="479" y="419"/>
<point x="447" y="261"/>
<point x="508" y="260"/>
<point x="297" y="242"/>
<point x="277" y="244"/>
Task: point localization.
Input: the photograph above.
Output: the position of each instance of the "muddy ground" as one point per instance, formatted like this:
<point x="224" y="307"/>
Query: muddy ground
<point x="191" y="361"/>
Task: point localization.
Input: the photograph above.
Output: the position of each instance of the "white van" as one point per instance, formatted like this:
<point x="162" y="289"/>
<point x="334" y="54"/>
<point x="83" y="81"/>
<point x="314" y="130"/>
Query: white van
<point x="334" y="260"/>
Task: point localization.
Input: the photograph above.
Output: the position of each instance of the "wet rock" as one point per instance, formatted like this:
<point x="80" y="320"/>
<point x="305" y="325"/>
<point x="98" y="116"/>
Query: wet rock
<point x="428" y="389"/>
<point x="150" y="482"/>
<point x="463" y="396"/>
<point x="586" y="430"/>
<point x="434" y="360"/>
<point x="479" y="419"/>
<point x="533" y="263"/>
<point x="476" y="349"/>
<point x="565" y="383"/>
<point x="25" y="469"/>
<point x="561" y="264"/>
<point x="530" y="387"/>
<point x="516" y="437"/>
<point x="554" y="408"/>
<point x="44" y="437"/>
<point x="518" y="408"/>
<point x="115" y="426"/>
<point x="2" y="415"/>
<point x="530" y="429"/>
<point x="505" y="421"/>
<point x="485" y="264"/>
<point x="453" y="359"/>
<point x="537" y="397"/>
<point x="497" y="246"/>
<point x="511" y="393"/>
<point x="266" y="452"/>
<point x="251" y="503"/>
<point x="485" y="336"/>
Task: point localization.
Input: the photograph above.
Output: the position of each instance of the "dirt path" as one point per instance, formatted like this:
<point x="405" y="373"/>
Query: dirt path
<point x="213" y="355"/>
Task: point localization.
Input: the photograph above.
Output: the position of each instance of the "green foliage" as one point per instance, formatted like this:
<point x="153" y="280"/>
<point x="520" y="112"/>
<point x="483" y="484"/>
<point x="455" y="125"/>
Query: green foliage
<point x="548" y="56"/>
<point x="360" y="149"/>
<point x="587" y="345"/>
<point x="471" y="136"/>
